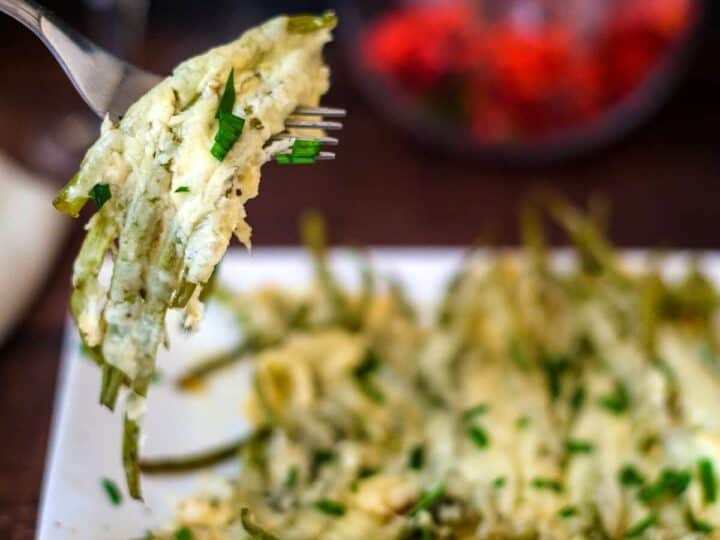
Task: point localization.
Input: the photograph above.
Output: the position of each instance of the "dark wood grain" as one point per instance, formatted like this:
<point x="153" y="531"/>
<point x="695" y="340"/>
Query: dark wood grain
<point x="663" y="182"/>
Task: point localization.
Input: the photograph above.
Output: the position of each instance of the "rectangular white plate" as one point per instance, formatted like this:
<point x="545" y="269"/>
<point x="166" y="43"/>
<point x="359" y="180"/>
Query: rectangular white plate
<point x="85" y="438"/>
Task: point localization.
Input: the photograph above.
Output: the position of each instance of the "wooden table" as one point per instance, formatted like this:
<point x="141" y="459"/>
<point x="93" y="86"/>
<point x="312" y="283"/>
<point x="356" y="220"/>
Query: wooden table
<point x="663" y="182"/>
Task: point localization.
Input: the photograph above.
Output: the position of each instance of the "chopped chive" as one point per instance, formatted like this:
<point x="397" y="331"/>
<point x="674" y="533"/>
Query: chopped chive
<point x="567" y="512"/>
<point x="577" y="446"/>
<point x="229" y="130"/>
<point x="630" y="476"/>
<point x="706" y="472"/>
<point x="555" y="368"/>
<point x="227" y="100"/>
<point x="671" y="483"/>
<point x="477" y="410"/>
<point x="479" y="436"/>
<point x="428" y="499"/>
<point x="182" y="189"/>
<point x="289" y="159"/>
<point x="522" y="422"/>
<point x="305" y="148"/>
<point x="545" y="483"/>
<point x="230" y="126"/>
<point x="578" y="398"/>
<point x="697" y="525"/>
<point x="364" y="377"/>
<point x="112" y="491"/>
<point x="416" y="458"/>
<point x="642" y="526"/>
<point x="291" y="477"/>
<point x="499" y="482"/>
<point x="184" y="533"/>
<point x="329" y="507"/>
<point x="366" y="472"/>
<point x="320" y="458"/>
<point x="618" y="401"/>
<point x="100" y="194"/>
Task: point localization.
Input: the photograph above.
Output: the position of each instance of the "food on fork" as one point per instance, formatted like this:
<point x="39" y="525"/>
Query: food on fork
<point x="541" y="401"/>
<point x="170" y="181"/>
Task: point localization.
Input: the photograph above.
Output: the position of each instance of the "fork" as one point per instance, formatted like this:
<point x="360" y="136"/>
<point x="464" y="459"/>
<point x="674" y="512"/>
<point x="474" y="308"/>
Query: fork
<point x="109" y="85"/>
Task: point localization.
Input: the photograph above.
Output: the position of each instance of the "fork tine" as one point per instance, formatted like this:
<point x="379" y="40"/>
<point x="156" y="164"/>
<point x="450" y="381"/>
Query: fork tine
<point x="328" y="112"/>
<point x="313" y="124"/>
<point x="331" y="141"/>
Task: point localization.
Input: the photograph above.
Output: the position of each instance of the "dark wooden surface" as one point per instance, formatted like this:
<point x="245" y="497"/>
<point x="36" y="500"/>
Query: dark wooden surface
<point x="663" y="182"/>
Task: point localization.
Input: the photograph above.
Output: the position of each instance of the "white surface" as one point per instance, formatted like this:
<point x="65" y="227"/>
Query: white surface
<point x="85" y="438"/>
<point x="31" y="231"/>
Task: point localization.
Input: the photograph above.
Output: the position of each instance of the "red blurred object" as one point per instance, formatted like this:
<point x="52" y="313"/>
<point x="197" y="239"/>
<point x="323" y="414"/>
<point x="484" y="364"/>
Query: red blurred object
<point x="504" y="79"/>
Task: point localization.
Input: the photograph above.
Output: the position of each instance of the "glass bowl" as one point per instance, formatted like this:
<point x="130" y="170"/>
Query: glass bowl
<point x="519" y="80"/>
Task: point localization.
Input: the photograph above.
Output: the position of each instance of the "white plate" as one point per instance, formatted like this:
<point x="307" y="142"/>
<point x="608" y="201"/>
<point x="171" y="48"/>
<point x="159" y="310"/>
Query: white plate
<point x="85" y="438"/>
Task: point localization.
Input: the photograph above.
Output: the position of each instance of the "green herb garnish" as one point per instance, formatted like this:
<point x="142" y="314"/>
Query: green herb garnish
<point x="303" y="152"/>
<point x="100" y="194"/>
<point x="320" y="458"/>
<point x="499" y="482"/>
<point x="578" y="399"/>
<point x="291" y="477"/>
<point x="545" y="483"/>
<point x="630" y="476"/>
<point x="112" y="491"/>
<point x="577" y="446"/>
<point x="697" y="525"/>
<point x="184" y="533"/>
<point x="182" y="189"/>
<point x="364" y="374"/>
<point x="618" y="401"/>
<point x="522" y="422"/>
<point x="366" y="472"/>
<point x="670" y="483"/>
<point x="428" y="499"/>
<point x="289" y="159"/>
<point x="479" y="436"/>
<point x="706" y="472"/>
<point x="555" y="367"/>
<point x="227" y="100"/>
<point x="477" y="410"/>
<point x="567" y="512"/>
<point x="329" y="507"/>
<point x="416" y="458"/>
<point x="642" y="526"/>
<point x="230" y="126"/>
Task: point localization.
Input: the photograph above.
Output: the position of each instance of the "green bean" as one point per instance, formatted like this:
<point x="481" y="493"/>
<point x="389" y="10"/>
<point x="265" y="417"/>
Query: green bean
<point x="209" y="366"/>
<point x="315" y="240"/>
<point x="255" y="531"/>
<point x="183" y="294"/>
<point x="131" y="437"/>
<point x="199" y="460"/>
<point x="112" y="380"/>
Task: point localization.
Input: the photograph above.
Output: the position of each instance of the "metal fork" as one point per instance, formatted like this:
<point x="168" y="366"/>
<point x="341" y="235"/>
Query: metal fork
<point x="109" y="85"/>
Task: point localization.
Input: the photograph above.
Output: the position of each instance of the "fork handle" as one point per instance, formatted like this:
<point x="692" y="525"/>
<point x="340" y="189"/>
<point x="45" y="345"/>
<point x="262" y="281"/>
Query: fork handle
<point x="25" y="11"/>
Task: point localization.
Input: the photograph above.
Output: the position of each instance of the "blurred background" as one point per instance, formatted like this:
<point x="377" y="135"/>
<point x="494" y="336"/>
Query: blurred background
<point x="456" y="111"/>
